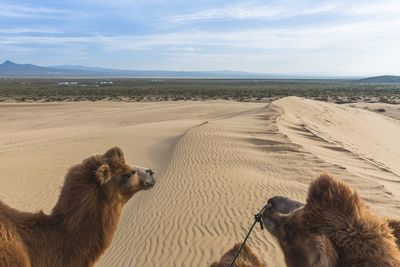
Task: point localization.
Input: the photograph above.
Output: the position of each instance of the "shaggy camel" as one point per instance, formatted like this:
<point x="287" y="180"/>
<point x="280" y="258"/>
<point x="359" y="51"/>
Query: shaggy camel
<point x="334" y="228"/>
<point x="82" y="223"/>
<point x="246" y="258"/>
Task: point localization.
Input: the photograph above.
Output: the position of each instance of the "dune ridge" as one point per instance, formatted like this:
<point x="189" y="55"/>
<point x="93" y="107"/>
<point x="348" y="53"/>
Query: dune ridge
<point x="357" y="140"/>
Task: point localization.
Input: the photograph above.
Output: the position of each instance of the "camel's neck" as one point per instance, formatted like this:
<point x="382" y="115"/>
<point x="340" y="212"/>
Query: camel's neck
<point x="93" y="231"/>
<point x="79" y="236"/>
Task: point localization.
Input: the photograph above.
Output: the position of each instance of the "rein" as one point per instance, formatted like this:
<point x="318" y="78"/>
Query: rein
<point x="257" y="219"/>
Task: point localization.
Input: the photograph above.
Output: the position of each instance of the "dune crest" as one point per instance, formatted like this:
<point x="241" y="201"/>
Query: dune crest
<point x="369" y="135"/>
<point x="360" y="141"/>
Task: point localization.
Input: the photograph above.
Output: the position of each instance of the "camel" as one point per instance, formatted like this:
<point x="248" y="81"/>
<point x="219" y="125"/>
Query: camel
<point x="82" y="224"/>
<point x="246" y="258"/>
<point x="334" y="228"/>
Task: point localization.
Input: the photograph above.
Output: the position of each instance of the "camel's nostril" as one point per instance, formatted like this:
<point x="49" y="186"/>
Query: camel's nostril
<point x="148" y="184"/>
<point x="148" y="171"/>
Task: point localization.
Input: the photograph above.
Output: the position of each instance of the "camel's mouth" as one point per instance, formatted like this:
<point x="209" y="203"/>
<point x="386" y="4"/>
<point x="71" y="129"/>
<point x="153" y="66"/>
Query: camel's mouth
<point x="146" y="185"/>
<point x="267" y="216"/>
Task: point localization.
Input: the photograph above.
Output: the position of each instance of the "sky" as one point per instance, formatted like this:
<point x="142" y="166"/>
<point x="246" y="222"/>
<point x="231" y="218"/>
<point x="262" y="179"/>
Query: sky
<point x="321" y="37"/>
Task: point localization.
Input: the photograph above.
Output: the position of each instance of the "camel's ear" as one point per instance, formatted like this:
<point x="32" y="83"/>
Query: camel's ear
<point x="115" y="157"/>
<point x="103" y="174"/>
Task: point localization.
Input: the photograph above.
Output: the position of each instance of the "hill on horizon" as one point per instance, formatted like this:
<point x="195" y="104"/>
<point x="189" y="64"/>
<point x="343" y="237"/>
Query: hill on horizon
<point x="381" y="79"/>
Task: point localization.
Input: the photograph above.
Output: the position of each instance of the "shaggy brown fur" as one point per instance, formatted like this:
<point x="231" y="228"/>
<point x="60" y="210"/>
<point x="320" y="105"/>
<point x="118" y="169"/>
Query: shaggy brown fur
<point x="395" y="226"/>
<point x="247" y="258"/>
<point x="334" y="228"/>
<point x="361" y="238"/>
<point x="82" y="223"/>
<point x="284" y="219"/>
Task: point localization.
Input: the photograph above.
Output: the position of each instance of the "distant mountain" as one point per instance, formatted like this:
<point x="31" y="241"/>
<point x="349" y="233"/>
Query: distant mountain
<point x="11" y="69"/>
<point x="163" y="73"/>
<point x="381" y="79"/>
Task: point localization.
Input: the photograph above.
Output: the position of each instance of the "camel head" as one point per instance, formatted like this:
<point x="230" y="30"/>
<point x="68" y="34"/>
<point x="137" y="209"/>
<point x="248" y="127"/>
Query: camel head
<point x="276" y="211"/>
<point x="106" y="179"/>
<point x="119" y="176"/>
<point x="284" y="219"/>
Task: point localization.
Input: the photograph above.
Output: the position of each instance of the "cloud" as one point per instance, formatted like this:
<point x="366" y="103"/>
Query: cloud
<point x="25" y="11"/>
<point x="374" y="8"/>
<point x="28" y="30"/>
<point x="288" y="9"/>
<point x="247" y="12"/>
<point x="306" y="38"/>
<point x="183" y="49"/>
<point x="340" y="36"/>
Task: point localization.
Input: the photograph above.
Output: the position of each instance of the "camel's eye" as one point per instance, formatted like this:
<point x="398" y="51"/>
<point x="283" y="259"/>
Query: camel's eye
<point x="127" y="175"/>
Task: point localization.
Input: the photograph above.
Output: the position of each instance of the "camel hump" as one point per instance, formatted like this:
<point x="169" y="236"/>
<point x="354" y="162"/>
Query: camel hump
<point x="331" y="201"/>
<point x="246" y="258"/>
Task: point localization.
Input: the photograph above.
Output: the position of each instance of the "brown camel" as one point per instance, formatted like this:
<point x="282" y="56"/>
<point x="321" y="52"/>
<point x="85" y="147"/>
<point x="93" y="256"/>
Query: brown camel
<point x="83" y="222"/>
<point x="246" y="258"/>
<point x="334" y="228"/>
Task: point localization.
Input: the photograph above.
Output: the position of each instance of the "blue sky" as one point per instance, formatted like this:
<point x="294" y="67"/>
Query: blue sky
<point x="295" y="37"/>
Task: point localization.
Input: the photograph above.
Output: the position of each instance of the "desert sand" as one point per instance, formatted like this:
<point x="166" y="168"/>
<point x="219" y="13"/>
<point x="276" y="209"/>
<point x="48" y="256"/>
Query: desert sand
<point x="217" y="163"/>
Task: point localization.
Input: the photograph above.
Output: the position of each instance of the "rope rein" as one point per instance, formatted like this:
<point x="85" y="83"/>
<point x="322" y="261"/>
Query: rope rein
<point x="257" y="219"/>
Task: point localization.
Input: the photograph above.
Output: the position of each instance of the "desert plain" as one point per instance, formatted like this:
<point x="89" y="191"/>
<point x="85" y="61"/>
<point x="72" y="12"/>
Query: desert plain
<point x="216" y="163"/>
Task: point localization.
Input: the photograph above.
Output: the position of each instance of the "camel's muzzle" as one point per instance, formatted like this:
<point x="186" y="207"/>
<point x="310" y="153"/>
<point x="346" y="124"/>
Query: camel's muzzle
<point x="146" y="177"/>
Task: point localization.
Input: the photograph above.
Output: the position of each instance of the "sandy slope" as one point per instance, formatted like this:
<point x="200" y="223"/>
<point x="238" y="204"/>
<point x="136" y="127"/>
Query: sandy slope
<point x="217" y="162"/>
<point x="362" y="142"/>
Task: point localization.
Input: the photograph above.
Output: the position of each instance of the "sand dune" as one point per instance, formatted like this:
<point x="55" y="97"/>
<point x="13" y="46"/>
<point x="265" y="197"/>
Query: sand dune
<point x="359" y="141"/>
<point x="217" y="164"/>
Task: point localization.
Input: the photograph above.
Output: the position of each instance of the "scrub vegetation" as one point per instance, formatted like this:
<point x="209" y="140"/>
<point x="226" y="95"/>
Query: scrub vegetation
<point x="50" y="90"/>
